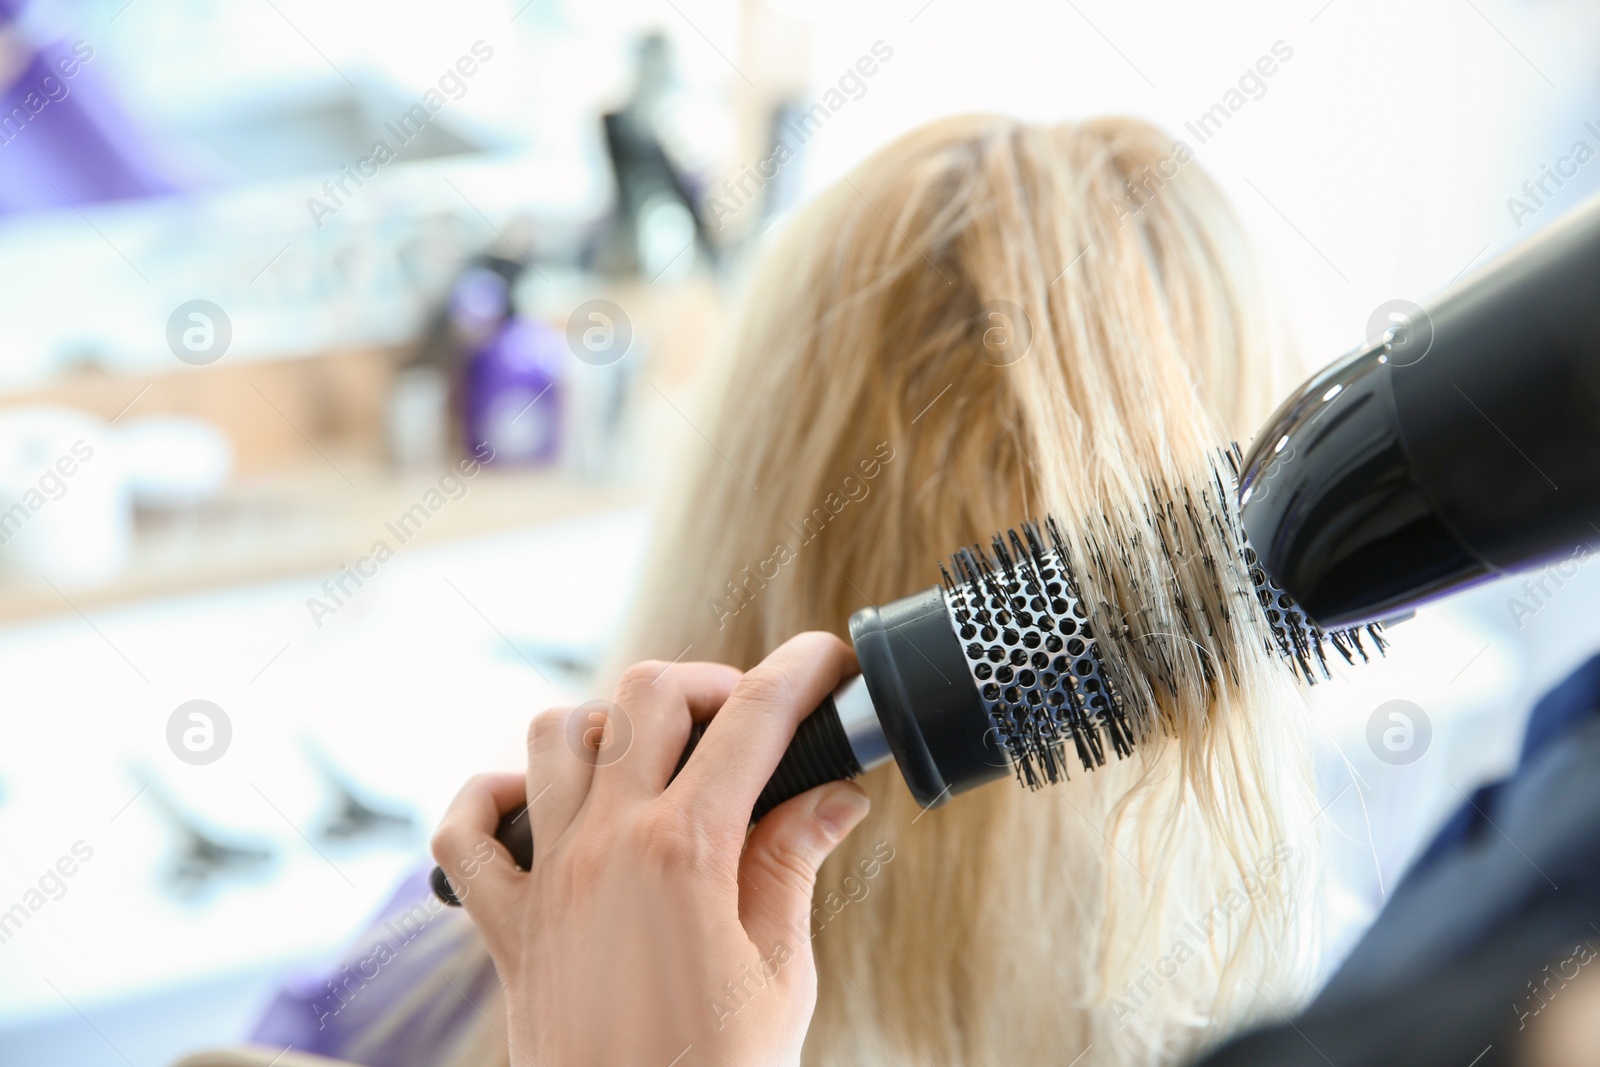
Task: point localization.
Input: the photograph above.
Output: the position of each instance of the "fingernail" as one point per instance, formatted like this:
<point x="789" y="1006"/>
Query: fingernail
<point x="840" y="809"/>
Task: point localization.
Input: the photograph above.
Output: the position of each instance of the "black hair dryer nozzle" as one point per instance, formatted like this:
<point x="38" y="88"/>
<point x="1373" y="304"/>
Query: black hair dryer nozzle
<point x="1462" y="444"/>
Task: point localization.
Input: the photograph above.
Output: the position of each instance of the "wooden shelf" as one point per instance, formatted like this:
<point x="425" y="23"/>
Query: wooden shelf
<point x="313" y="520"/>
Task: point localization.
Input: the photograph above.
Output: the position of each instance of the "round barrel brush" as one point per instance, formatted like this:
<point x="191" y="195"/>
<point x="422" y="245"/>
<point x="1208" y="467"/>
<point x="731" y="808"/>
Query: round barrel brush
<point x="1010" y="668"/>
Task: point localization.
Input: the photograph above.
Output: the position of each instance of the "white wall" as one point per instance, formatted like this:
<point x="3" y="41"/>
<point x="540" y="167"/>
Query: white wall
<point x="1390" y="141"/>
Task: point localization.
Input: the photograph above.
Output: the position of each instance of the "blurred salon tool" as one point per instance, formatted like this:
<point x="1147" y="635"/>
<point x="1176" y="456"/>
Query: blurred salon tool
<point x="203" y="857"/>
<point x="353" y="818"/>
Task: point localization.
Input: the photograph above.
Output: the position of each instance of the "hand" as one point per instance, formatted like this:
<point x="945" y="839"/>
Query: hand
<point x="649" y="933"/>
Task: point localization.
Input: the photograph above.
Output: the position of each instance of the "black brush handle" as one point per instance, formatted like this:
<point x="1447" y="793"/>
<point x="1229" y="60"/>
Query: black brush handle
<point x="819" y="753"/>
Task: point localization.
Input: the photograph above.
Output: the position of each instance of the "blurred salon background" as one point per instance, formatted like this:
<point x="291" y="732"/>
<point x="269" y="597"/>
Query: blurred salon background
<point x="343" y="348"/>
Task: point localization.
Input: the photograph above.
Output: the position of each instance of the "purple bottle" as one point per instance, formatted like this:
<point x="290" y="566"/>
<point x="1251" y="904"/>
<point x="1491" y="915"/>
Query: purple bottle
<point x="512" y="391"/>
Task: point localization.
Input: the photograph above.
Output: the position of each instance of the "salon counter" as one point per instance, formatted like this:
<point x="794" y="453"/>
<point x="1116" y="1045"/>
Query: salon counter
<point x="314" y="519"/>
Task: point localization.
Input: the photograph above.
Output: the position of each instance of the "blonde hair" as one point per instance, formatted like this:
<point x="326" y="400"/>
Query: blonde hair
<point x="1015" y="927"/>
<point x="867" y="422"/>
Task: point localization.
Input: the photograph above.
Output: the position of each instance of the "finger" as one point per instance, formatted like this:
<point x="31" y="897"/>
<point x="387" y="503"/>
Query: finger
<point x="656" y="705"/>
<point x="779" y="866"/>
<point x="479" y="867"/>
<point x="559" y="770"/>
<point x="744" y="743"/>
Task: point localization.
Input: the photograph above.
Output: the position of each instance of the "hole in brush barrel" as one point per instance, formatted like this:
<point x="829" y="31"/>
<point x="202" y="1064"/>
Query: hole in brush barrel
<point x="1039" y="700"/>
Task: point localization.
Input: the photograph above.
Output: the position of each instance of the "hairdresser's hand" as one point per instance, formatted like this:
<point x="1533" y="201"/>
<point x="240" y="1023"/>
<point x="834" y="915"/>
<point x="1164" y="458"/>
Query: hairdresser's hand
<point x="648" y="931"/>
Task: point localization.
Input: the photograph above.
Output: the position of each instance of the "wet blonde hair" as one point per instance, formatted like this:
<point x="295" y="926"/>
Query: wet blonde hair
<point x="867" y="420"/>
<point x="1016" y="927"/>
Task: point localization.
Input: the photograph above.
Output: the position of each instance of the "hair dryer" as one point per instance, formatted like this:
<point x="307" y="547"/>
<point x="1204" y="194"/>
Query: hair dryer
<point x="1461" y="445"/>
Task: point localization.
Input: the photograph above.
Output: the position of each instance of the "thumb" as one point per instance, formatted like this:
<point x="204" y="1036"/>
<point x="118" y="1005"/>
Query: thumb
<point x="779" y="865"/>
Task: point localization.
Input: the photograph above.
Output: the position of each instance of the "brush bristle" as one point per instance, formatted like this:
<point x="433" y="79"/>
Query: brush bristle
<point x="1033" y="654"/>
<point x="1047" y="679"/>
<point x="1297" y="638"/>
